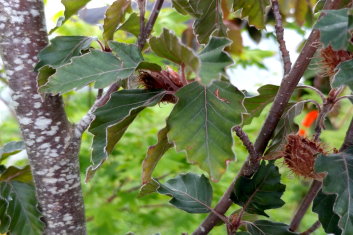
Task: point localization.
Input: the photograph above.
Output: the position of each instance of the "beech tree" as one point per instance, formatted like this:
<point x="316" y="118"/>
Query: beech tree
<point x="208" y="109"/>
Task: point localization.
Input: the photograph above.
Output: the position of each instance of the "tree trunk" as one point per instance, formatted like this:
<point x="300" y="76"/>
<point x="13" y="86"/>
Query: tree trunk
<point x="51" y="146"/>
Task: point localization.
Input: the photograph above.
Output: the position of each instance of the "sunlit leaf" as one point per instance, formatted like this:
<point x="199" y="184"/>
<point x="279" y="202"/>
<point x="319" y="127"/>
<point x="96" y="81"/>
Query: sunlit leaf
<point x="300" y="11"/>
<point x="114" y="16"/>
<point x="191" y="193"/>
<point x="254" y="10"/>
<point x="261" y="192"/>
<point x="71" y="8"/>
<point x="154" y="154"/>
<point x="168" y="46"/>
<point x="61" y="49"/>
<point x="113" y="119"/>
<point x="208" y="16"/>
<point x="13" y="173"/>
<point x="323" y="206"/>
<point x="11" y="148"/>
<point x="209" y="113"/>
<point x="344" y="75"/>
<point x="339" y="166"/>
<point x="131" y="25"/>
<point x="22" y="208"/>
<point x="214" y="60"/>
<point x="333" y="28"/>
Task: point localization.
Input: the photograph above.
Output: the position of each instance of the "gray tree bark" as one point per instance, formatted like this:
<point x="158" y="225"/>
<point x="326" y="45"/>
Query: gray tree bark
<point x="51" y="145"/>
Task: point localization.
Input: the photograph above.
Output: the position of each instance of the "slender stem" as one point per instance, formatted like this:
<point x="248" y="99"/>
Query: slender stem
<point x="322" y="96"/>
<point x="149" y="26"/>
<point x="344" y="97"/>
<point x="305" y="204"/>
<point x="287" y="87"/>
<point x="142" y="8"/>
<point x="254" y="156"/>
<point x="312" y="229"/>
<point x="183" y="77"/>
<point x="287" y="64"/>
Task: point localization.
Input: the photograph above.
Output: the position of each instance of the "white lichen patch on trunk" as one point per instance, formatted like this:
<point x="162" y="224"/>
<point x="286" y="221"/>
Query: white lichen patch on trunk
<point x="51" y="145"/>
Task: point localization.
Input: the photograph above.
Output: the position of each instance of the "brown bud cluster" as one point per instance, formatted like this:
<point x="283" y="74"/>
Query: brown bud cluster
<point x="168" y="80"/>
<point x="299" y="155"/>
<point x="331" y="58"/>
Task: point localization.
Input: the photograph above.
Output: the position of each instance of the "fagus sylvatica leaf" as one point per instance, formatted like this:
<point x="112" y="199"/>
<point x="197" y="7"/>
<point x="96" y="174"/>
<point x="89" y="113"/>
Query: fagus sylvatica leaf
<point x="19" y="174"/>
<point x="266" y="227"/>
<point x="323" y="206"/>
<point x="168" y="46"/>
<point x="154" y="154"/>
<point x="61" y="49"/>
<point x="190" y="192"/>
<point x="214" y="60"/>
<point x="344" y="75"/>
<point x="131" y="25"/>
<point x="103" y="68"/>
<point x="209" y="112"/>
<point x="208" y="17"/>
<point x="261" y="192"/>
<point x="11" y="148"/>
<point x="339" y="166"/>
<point x="253" y="10"/>
<point x="112" y="119"/>
<point x="71" y="8"/>
<point x="114" y="16"/>
<point x="21" y="208"/>
<point x="333" y="28"/>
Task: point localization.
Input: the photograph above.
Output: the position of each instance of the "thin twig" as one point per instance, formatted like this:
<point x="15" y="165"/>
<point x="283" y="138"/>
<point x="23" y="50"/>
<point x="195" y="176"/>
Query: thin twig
<point x="287" y="64"/>
<point x="83" y="124"/>
<point x="142" y="8"/>
<point x="149" y="26"/>
<point x="312" y="229"/>
<point x="305" y="204"/>
<point x="287" y="87"/>
<point x="322" y="96"/>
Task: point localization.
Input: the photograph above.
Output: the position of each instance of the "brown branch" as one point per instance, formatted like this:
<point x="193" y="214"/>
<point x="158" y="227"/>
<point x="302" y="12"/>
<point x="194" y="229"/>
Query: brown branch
<point x="312" y="229"/>
<point x="287" y="64"/>
<point x="149" y="26"/>
<point x="254" y="156"/>
<point x="284" y="93"/>
<point x="305" y="204"/>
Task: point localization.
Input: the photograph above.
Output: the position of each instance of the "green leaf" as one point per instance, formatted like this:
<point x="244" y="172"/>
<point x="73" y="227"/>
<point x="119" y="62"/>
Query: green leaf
<point x="100" y="67"/>
<point x="261" y="192"/>
<point x="300" y="11"/>
<point x="114" y="16"/>
<point x="255" y="10"/>
<point x="209" y="114"/>
<point x="112" y="119"/>
<point x="208" y="17"/>
<point x="22" y="208"/>
<point x="61" y="49"/>
<point x="214" y="60"/>
<point x="131" y="25"/>
<point x="266" y="227"/>
<point x="323" y="206"/>
<point x="43" y="75"/>
<point x="191" y="193"/>
<point x="4" y="218"/>
<point x="168" y="46"/>
<point x="11" y="148"/>
<point x="71" y="8"/>
<point x="13" y="173"/>
<point x="339" y="166"/>
<point x="333" y="28"/>
<point x="154" y="154"/>
<point x="344" y="75"/>
<point x="255" y="104"/>
<point x="129" y="54"/>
